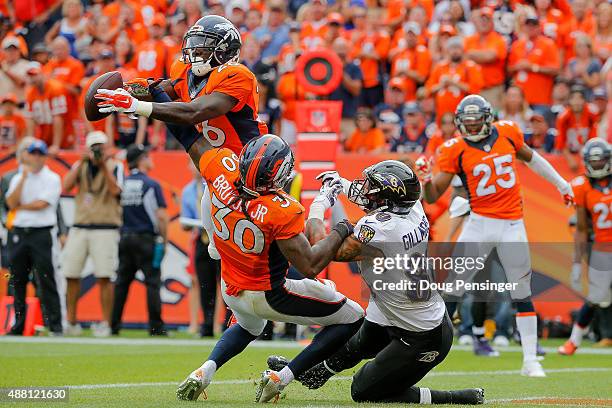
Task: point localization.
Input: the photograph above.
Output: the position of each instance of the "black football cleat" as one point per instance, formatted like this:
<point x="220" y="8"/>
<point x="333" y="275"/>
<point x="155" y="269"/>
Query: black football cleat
<point x="277" y="363"/>
<point x="470" y="396"/>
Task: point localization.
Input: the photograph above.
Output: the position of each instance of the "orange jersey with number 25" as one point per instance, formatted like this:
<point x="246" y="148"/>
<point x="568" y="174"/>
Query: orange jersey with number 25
<point x="250" y="256"/>
<point x="234" y="129"/>
<point x="596" y="197"/>
<point x="488" y="170"/>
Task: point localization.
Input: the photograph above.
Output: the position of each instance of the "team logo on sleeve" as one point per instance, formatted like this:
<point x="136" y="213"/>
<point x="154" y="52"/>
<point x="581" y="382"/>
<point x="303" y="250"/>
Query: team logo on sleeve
<point x="366" y="234"/>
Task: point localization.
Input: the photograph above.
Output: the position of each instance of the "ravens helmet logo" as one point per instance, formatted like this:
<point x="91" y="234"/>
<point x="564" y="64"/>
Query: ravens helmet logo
<point x="391" y="182"/>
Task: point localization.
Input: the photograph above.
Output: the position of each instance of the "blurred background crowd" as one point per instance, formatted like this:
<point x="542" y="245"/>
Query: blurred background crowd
<point x="542" y="63"/>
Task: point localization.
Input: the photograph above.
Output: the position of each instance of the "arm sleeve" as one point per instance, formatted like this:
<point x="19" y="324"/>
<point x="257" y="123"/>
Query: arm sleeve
<point x="293" y="224"/>
<point x="578" y="187"/>
<point x="235" y="82"/>
<point x="13" y="183"/>
<point x="52" y="192"/>
<point x="446" y="159"/>
<point x="159" y="196"/>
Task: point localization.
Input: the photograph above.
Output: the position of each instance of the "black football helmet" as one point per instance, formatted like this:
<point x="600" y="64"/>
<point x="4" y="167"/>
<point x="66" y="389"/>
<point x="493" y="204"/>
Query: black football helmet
<point x="265" y="165"/>
<point x="597" y="156"/>
<point x="387" y="186"/>
<point x="212" y="41"/>
<point x="474" y="118"/>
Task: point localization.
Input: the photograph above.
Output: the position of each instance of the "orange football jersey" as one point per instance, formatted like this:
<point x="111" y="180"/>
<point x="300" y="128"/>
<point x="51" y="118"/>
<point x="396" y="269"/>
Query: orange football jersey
<point x="488" y="170"/>
<point x="152" y="59"/>
<point x="250" y="257"/>
<point x="596" y="198"/>
<point x="234" y="129"/>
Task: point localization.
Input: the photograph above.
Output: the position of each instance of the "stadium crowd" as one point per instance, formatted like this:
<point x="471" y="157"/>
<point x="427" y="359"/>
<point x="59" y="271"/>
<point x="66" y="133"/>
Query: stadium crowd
<point x="542" y="63"/>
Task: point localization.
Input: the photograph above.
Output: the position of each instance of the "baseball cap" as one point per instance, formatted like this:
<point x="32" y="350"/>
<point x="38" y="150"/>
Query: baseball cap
<point x="106" y="54"/>
<point x="135" y="151"/>
<point x="412" y="27"/>
<point x="38" y="146"/>
<point x="600" y="93"/>
<point x="33" y="68"/>
<point x="335" y="18"/>
<point x="10" y="97"/>
<point x="538" y="117"/>
<point x="389" y="117"/>
<point x="397" y="83"/>
<point x="95" y="137"/>
<point x="159" y="20"/>
<point x="486" y="11"/>
<point x="578" y="89"/>
<point x="10" y="41"/>
<point x="532" y="19"/>
<point x="239" y="4"/>
<point x="410" y="108"/>
<point x="40" y="48"/>
<point x="447" y="29"/>
<point x="295" y="26"/>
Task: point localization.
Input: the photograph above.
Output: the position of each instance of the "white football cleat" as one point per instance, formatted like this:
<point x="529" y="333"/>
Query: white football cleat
<point x="270" y="387"/>
<point x="193" y="386"/>
<point x="532" y="369"/>
<point x="73" y="330"/>
<point x="501" y="341"/>
<point x="465" y="340"/>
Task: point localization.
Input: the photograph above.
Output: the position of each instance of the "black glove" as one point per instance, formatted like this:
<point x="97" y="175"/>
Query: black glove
<point x="344" y="228"/>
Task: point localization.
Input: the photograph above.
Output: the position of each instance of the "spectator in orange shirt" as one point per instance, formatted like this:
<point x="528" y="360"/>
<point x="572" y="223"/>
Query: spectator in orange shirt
<point x="444" y="132"/>
<point x="12" y="123"/>
<point x="534" y="63"/>
<point x="454" y="78"/>
<point x="174" y="40"/>
<point x="584" y="67"/>
<point x="437" y="44"/>
<point x="583" y="21"/>
<point x="314" y="31"/>
<point x="395" y="96"/>
<point x="335" y="29"/>
<point x="576" y="125"/>
<point x="370" y="47"/>
<point x="289" y="91"/>
<point x="603" y="32"/>
<point x="65" y="68"/>
<point x="47" y="114"/>
<point x="412" y="62"/>
<point x="12" y="68"/>
<point x="152" y="56"/>
<point x="40" y="53"/>
<point x="366" y="138"/>
<point x="488" y="49"/>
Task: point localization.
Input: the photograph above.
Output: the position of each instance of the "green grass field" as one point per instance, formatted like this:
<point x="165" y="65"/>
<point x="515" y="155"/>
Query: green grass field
<point x="138" y="372"/>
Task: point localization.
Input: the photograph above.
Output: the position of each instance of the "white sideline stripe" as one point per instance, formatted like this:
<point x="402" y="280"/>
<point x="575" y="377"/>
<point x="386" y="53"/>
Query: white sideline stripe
<point x="344" y="378"/>
<point x="207" y="342"/>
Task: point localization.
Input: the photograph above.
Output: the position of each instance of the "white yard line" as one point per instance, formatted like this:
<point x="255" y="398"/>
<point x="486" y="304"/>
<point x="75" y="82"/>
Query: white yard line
<point x="209" y="342"/>
<point x="344" y="378"/>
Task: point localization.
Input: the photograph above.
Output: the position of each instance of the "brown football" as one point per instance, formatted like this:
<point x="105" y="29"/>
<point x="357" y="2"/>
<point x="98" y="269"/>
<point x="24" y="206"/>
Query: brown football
<point x="110" y="80"/>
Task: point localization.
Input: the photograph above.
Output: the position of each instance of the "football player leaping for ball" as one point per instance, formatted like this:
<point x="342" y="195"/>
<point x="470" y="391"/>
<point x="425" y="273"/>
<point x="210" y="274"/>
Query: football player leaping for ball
<point x="484" y="157"/>
<point x="594" y="202"/>
<point x="219" y="96"/>
<point x="406" y="331"/>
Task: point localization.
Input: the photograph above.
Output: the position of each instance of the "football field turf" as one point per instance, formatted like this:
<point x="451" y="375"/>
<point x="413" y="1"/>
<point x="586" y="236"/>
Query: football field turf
<point x="139" y="372"/>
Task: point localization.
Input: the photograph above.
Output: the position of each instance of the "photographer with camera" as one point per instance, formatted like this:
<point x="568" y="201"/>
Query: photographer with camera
<point x="95" y="232"/>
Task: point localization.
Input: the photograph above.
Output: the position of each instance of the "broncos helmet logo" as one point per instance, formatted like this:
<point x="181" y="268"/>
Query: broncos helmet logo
<point x="390" y="182"/>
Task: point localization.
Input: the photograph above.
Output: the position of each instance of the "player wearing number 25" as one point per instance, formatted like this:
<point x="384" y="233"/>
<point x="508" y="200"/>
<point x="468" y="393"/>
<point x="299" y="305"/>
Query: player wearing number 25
<point x="484" y="157"/>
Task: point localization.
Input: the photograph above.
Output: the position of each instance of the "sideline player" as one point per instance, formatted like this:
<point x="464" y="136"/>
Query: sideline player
<point x="484" y="157"/>
<point x="593" y="192"/>
<point x="220" y="96"/>
<point x="406" y="332"/>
